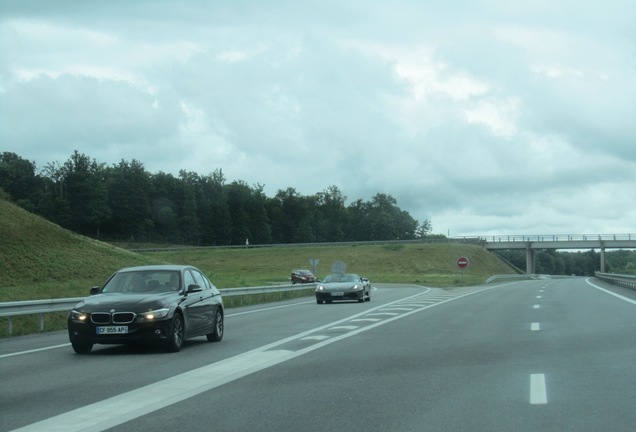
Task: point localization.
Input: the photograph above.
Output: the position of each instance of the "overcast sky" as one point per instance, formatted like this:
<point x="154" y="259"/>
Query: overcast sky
<point x="484" y="117"/>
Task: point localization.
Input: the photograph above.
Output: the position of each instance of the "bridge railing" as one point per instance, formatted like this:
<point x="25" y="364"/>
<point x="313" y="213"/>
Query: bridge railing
<point x="556" y="237"/>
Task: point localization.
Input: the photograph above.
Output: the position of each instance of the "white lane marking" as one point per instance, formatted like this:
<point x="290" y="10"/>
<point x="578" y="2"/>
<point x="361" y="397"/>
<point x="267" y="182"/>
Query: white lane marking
<point x="537" y="306"/>
<point x="366" y="319"/>
<point x="398" y="309"/>
<point x="384" y="314"/>
<point x="535" y="327"/>
<point x="539" y="297"/>
<point x="119" y="409"/>
<point x="538" y="394"/>
<point x="611" y="293"/>
<point x="317" y="337"/>
<point x="34" y="350"/>
<point x="344" y="327"/>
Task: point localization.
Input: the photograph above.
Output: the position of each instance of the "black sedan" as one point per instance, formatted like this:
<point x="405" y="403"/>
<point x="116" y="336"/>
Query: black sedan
<point x="164" y="303"/>
<point x="346" y="286"/>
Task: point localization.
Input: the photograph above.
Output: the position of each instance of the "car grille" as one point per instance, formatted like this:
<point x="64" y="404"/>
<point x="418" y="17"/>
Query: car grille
<point x="114" y="318"/>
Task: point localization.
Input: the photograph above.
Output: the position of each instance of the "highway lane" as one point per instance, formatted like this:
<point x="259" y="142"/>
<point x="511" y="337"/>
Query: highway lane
<point x="539" y="355"/>
<point x="542" y="355"/>
<point x="42" y="377"/>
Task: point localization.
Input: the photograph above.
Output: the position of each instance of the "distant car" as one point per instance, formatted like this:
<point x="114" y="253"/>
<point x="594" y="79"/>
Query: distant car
<point x="166" y="304"/>
<point x="347" y="286"/>
<point x="302" y="276"/>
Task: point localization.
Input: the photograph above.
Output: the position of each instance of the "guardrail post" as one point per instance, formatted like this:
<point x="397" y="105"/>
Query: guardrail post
<point x="41" y="322"/>
<point x="10" y="325"/>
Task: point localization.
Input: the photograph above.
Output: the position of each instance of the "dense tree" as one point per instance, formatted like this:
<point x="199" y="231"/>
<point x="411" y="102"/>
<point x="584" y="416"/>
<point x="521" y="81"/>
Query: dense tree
<point x="18" y="179"/>
<point x="86" y="194"/>
<point x="129" y="190"/>
<point x="213" y="210"/>
<point x="331" y="219"/>
<point x="125" y="202"/>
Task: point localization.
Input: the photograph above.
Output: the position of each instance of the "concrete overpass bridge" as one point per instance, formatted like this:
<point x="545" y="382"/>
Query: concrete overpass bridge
<point x="531" y="243"/>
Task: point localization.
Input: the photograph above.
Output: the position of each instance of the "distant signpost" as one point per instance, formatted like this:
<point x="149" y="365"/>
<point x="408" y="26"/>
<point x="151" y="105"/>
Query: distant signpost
<point x="462" y="263"/>
<point x="338" y="267"/>
<point x="314" y="264"/>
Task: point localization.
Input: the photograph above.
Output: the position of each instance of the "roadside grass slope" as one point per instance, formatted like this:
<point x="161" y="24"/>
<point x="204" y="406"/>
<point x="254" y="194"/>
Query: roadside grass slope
<point x="41" y="260"/>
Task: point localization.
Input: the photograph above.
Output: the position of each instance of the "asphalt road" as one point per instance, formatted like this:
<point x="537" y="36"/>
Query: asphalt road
<point x="543" y="355"/>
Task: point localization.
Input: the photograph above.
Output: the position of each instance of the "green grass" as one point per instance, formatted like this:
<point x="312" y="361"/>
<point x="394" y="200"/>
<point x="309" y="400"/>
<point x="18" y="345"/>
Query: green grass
<point x="422" y="264"/>
<point x="40" y="260"/>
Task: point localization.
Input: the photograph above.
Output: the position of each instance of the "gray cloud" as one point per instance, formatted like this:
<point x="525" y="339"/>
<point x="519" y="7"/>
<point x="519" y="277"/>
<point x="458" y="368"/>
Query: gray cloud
<point x="484" y="117"/>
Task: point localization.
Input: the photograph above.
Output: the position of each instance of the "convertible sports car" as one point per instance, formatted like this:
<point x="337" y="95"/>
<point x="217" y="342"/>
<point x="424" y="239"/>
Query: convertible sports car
<point x="346" y="286"/>
<point x="163" y="303"/>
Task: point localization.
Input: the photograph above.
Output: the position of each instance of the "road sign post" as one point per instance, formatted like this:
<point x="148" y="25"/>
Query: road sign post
<point x="462" y="263"/>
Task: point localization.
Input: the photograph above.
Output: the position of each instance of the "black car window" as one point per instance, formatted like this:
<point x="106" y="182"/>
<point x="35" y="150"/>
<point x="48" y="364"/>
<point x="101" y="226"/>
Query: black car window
<point x="208" y="284"/>
<point x="189" y="279"/>
<point x="198" y="277"/>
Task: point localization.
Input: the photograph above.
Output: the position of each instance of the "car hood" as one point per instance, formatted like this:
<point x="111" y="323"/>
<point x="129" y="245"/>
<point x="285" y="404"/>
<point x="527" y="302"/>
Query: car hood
<point x="127" y="302"/>
<point x="337" y="286"/>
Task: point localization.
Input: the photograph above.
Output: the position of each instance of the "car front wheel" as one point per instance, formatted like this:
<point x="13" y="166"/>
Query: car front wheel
<point x="82" y="347"/>
<point x="175" y="341"/>
<point x="217" y="334"/>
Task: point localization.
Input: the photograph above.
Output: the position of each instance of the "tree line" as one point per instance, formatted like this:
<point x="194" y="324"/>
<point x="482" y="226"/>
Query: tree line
<point x="124" y="202"/>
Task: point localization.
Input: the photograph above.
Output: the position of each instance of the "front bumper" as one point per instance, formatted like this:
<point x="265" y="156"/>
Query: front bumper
<point x="345" y="295"/>
<point x="137" y="332"/>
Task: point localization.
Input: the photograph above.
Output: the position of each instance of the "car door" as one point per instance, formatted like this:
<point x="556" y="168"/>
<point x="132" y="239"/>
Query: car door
<point x="191" y="304"/>
<point x="199" y="313"/>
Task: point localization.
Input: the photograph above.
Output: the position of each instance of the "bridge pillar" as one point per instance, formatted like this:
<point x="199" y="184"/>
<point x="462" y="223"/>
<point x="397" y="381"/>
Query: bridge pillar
<point x="529" y="259"/>
<point x="602" y="257"/>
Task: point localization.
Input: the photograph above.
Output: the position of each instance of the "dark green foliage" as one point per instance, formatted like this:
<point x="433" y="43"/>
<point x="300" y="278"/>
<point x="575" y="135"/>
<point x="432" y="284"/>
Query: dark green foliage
<point x="124" y="202"/>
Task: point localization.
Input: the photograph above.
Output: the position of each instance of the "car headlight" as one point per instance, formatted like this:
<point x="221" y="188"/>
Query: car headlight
<point x="78" y="316"/>
<point x="320" y="288"/>
<point x="154" y="314"/>
<point x="357" y="287"/>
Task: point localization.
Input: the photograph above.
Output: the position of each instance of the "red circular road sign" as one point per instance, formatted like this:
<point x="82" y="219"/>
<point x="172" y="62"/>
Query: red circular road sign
<point x="462" y="262"/>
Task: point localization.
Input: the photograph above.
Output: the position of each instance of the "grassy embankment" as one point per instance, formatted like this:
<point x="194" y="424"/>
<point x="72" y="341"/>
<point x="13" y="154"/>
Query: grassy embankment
<point x="40" y="260"/>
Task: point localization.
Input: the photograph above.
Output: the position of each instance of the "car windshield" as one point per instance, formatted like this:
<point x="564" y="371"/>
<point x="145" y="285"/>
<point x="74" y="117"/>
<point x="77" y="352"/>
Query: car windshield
<point x="341" y="278"/>
<point x="135" y="282"/>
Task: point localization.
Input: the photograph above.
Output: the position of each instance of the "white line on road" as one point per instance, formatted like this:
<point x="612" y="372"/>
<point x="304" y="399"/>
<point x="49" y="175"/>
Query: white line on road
<point x="316" y="337"/>
<point x="534" y="327"/>
<point x="538" y="395"/>
<point x="611" y="293"/>
<point x="35" y="350"/>
<point x="536" y="306"/>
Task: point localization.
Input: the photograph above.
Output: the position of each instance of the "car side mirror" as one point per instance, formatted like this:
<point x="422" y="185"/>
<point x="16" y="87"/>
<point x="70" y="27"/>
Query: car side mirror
<point x="94" y="290"/>
<point x="192" y="288"/>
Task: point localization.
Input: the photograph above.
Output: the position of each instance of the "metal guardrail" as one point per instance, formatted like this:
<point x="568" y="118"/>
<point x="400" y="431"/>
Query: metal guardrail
<point x="41" y="307"/>
<point x="501" y="277"/>
<point x="626" y="281"/>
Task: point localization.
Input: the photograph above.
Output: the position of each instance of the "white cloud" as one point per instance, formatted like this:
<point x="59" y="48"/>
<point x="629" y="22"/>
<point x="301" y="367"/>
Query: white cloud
<point x="485" y="117"/>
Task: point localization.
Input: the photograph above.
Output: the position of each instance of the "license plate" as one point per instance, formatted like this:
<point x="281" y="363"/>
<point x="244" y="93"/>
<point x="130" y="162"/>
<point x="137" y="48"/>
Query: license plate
<point x="112" y="330"/>
<point x="337" y="294"/>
